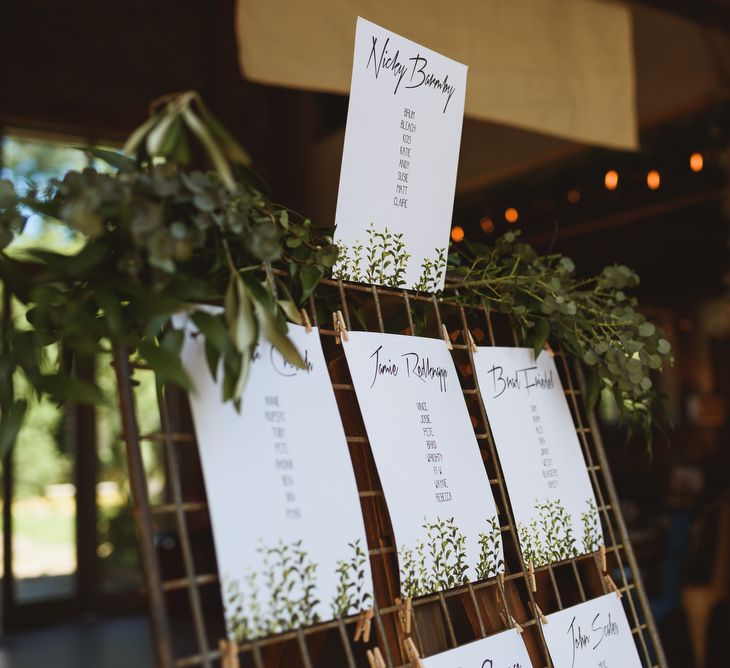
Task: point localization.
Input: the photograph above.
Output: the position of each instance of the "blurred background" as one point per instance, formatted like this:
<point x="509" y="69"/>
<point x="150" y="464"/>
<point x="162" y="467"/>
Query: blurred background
<point x="601" y="131"/>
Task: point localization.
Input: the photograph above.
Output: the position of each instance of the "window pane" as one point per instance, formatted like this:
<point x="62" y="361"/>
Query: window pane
<point x="44" y="496"/>
<point x="117" y="543"/>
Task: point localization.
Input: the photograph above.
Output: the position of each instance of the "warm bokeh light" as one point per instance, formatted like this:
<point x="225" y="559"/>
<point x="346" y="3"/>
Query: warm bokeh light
<point x="653" y="180"/>
<point x="696" y="162"/>
<point x="511" y="216"/>
<point x="457" y="233"/>
<point x="611" y="179"/>
<point x="487" y="225"/>
<point x="573" y="196"/>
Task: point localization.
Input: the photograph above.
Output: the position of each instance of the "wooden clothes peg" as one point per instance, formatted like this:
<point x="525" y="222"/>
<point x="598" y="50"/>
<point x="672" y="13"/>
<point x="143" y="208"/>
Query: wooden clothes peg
<point x="445" y="334"/>
<point x="364" y="626"/>
<point x="531" y="573"/>
<point x="500" y="586"/>
<point x="336" y="327"/>
<point x="404" y="614"/>
<point x="538" y="612"/>
<point x="472" y="343"/>
<point x="375" y="658"/>
<point x="229" y="653"/>
<point x="342" y="327"/>
<point x="305" y="320"/>
<point x="367" y="625"/>
<point x="602" y="555"/>
<point x="512" y="622"/>
<point x="612" y="585"/>
<point x="412" y="652"/>
<point x="550" y="351"/>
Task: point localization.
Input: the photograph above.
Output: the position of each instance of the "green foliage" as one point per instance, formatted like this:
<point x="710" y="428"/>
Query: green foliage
<point x="38" y="460"/>
<point x="281" y="594"/>
<point x="593" y="318"/>
<point x="440" y="561"/>
<point x="447" y="551"/>
<point x="288" y="577"/>
<point x="384" y="260"/>
<point x="557" y="531"/>
<point x="490" y="552"/>
<point x="11" y="218"/>
<point x="549" y="537"/>
<point x="592" y="534"/>
<point x="432" y="272"/>
<point x="351" y="596"/>
<point x="155" y="236"/>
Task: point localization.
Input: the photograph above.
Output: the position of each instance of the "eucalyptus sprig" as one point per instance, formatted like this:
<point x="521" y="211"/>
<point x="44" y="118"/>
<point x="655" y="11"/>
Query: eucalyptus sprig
<point x="157" y="237"/>
<point x="594" y="318"/>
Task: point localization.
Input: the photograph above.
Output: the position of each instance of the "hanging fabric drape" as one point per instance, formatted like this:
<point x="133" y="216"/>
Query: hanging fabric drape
<point x="564" y="67"/>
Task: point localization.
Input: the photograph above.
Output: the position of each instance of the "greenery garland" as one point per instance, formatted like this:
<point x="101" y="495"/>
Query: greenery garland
<point x="593" y="318"/>
<point x="158" y="236"/>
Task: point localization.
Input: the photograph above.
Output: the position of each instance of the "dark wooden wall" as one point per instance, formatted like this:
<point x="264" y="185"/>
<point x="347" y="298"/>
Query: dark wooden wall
<point x="91" y="68"/>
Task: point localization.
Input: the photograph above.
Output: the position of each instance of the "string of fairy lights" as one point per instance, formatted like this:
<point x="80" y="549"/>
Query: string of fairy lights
<point x="610" y="182"/>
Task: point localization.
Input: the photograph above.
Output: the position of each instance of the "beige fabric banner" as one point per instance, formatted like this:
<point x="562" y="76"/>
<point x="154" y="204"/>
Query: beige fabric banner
<point x="561" y="67"/>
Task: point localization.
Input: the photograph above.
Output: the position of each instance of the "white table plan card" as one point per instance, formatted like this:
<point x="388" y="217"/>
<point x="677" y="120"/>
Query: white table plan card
<point x="594" y="634"/>
<point x="436" y="487"/>
<point x="544" y="469"/>
<point x="502" y="650"/>
<point x="284" y="505"/>
<point x="398" y="175"/>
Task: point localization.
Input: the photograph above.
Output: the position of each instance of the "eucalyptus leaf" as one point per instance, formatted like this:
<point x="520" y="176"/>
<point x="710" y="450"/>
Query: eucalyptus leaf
<point x="279" y="340"/>
<point x="213" y="328"/>
<point x="156" y="136"/>
<point x="291" y="311"/>
<point x="242" y="326"/>
<point x="310" y="276"/>
<point x="109" y="304"/>
<point x="62" y="387"/>
<point x="134" y="141"/>
<point x="166" y="364"/>
<point x="541" y="334"/>
<point x="229" y="143"/>
<point x="647" y="329"/>
<point x="593" y="390"/>
<point x="212" y="358"/>
<point x="123" y="163"/>
<point x="213" y="150"/>
<point x="10" y="423"/>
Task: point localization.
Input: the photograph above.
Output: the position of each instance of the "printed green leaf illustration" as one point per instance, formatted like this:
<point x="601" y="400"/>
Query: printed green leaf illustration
<point x="592" y="534"/>
<point x="440" y="561"/>
<point x="384" y="260"/>
<point x="432" y="272"/>
<point x="490" y="555"/>
<point x="549" y="537"/>
<point x="282" y="594"/>
<point x="351" y="596"/>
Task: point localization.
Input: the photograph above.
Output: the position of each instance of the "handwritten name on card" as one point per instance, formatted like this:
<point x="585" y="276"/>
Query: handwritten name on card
<point x="264" y="470"/>
<point x="594" y="634"/>
<point x="398" y="176"/>
<point x="503" y="650"/>
<point x="545" y="473"/>
<point x="437" y="490"/>
<point x="412" y="364"/>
